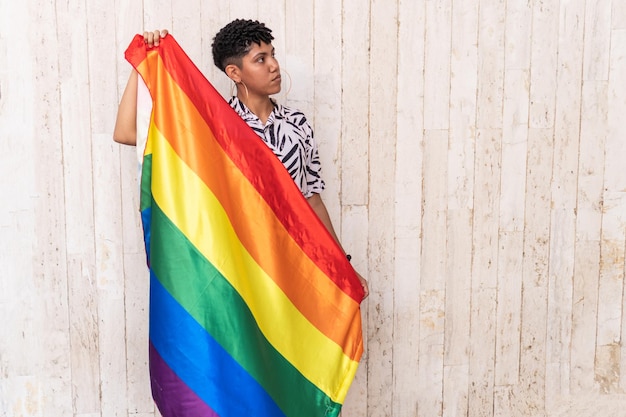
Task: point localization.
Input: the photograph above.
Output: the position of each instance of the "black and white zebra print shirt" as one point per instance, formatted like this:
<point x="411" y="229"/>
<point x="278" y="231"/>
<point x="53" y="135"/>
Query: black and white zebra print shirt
<point x="288" y="134"/>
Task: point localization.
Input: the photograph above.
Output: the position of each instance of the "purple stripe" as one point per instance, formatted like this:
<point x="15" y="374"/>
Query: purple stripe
<point x="171" y="395"/>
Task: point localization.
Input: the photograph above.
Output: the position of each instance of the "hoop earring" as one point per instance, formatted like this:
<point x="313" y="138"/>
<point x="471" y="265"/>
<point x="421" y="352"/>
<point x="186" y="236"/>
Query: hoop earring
<point x="283" y="97"/>
<point x="232" y="87"/>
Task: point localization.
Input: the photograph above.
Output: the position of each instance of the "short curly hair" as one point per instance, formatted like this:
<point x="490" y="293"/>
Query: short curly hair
<point x="233" y="41"/>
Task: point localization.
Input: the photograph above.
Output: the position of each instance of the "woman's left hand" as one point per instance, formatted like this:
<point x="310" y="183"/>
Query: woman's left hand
<point x="364" y="285"/>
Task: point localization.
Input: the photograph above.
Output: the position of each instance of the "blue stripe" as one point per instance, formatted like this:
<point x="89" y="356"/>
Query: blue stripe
<point x="201" y="362"/>
<point x="146" y="222"/>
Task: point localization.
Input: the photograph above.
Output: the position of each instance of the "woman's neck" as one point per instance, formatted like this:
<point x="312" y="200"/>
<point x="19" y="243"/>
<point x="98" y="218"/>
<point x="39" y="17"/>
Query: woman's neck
<point x="262" y="107"/>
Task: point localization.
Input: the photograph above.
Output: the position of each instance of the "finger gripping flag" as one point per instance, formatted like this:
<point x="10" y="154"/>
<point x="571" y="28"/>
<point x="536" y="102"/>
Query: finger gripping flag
<point x="254" y="309"/>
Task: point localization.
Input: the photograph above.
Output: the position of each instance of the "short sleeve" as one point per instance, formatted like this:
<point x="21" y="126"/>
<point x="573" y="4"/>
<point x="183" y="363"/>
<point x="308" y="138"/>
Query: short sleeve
<point x="313" y="170"/>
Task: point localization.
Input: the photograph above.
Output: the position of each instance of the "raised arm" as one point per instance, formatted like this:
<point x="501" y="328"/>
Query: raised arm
<point x="125" y="131"/>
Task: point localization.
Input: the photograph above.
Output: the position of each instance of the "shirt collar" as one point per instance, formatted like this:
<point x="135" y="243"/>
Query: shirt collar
<point x="247" y="115"/>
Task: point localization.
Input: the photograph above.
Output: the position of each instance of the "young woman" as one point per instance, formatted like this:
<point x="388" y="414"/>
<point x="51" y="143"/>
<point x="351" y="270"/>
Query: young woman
<point x="243" y="50"/>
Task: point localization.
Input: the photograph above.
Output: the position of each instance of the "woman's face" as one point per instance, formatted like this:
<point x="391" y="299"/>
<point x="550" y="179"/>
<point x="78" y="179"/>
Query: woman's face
<point x="260" y="71"/>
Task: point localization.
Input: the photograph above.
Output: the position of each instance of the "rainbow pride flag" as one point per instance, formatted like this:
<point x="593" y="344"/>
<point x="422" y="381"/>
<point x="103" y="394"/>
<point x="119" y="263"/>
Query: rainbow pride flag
<point x="254" y="309"/>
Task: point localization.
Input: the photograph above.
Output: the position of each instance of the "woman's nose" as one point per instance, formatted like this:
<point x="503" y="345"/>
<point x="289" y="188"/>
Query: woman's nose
<point x="274" y="65"/>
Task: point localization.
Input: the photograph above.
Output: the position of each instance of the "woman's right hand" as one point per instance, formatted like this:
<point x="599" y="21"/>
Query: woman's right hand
<point x="153" y="38"/>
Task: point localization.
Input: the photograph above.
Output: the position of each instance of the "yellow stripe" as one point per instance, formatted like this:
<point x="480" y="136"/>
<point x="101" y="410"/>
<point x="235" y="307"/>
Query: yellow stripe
<point x="181" y="195"/>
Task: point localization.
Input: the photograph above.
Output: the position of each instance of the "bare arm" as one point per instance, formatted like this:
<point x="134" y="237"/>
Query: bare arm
<point x="125" y="131"/>
<point x="318" y="206"/>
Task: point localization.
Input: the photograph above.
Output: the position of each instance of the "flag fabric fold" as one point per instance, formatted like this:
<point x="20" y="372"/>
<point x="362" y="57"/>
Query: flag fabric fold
<point x="254" y="309"/>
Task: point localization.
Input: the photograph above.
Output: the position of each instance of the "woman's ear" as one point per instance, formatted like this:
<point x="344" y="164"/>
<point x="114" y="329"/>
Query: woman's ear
<point x="233" y="72"/>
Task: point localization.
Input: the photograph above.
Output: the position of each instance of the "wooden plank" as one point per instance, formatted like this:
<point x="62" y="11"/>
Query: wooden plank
<point x="355" y="92"/>
<point x="437" y="46"/>
<point x="50" y="354"/>
<point x="137" y="330"/>
<point x="463" y="84"/>
<point x="139" y="398"/>
<point x="297" y="52"/>
<point x="326" y="96"/>
<point x="543" y="64"/>
<point x="508" y="312"/>
<point x="567" y="111"/>
<point x="17" y="217"/>
<point x="186" y="25"/>
<point x="433" y="268"/>
<point x="584" y="316"/>
<point x="109" y="274"/>
<point x="382" y="88"/>
<point x="244" y="9"/>
<point x="434" y="210"/>
<point x="597" y="40"/>
<point x="486" y="192"/>
<point x="21" y="391"/>
<point x="430" y="353"/>
<point x="482" y="353"/>
<point x="559" y="303"/>
<point x="588" y="226"/>
<point x="455" y="390"/>
<point x="110" y="278"/>
<point x="408" y="208"/>
<point x="563" y="191"/>
<point x="611" y="287"/>
<point x="460" y="202"/>
<point x="517" y="42"/>
<point x="535" y="268"/>
<point x="514" y="150"/>
<point x="618" y="15"/>
<point x="615" y="144"/>
<point x="406" y="323"/>
<point x="457" y="313"/>
<point x="532" y="366"/>
<point x="491" y="27"/>
<point x="82" y="289"/>
<point x="129" y="22"/>
<point x="611" y="310"/>
<point x="214" y="15"/>
<point x="469" y="392"/>
<point x="515" y="115"/>
<point x="484" y="272"/>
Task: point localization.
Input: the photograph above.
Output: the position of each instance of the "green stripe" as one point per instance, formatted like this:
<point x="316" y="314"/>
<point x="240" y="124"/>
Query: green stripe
<point x="216" y="305"/>
<point x="145" y="197"/>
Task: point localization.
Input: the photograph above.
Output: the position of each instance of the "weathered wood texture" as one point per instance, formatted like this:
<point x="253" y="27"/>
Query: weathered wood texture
<point x="474" y="157"/>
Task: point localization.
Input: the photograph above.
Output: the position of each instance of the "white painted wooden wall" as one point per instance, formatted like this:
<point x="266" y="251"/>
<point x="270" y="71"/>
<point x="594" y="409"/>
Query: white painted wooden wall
<point x="474" y="152"/>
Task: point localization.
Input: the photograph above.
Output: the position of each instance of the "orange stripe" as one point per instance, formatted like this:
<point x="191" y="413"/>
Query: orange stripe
<point x="332" y="308"/>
